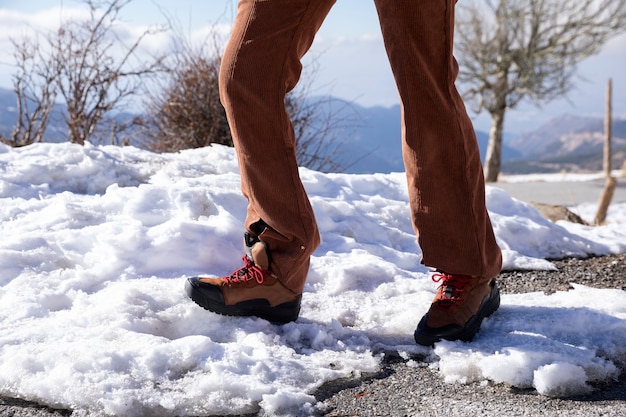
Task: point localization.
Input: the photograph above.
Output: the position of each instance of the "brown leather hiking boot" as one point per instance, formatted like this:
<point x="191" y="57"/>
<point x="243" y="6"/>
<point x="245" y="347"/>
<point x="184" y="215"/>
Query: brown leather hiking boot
<point x="458" y="309"/>
<point x="252" y="290"/>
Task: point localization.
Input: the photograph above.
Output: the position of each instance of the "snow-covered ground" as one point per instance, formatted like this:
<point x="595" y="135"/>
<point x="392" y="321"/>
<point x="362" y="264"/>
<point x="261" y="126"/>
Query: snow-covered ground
<point x="555" y="177"/>
<point x="96" y="243"/>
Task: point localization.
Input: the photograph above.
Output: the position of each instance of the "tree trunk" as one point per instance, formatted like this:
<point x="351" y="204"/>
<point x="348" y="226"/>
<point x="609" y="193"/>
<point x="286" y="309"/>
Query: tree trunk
<point x="494" y="148"/>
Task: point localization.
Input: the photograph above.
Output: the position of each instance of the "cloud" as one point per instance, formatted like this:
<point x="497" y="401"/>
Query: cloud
<point x="616" y="47"/>
<point x="15" y="23"/>
<point x="353" y="68"/>
<point x="18" y="25"/>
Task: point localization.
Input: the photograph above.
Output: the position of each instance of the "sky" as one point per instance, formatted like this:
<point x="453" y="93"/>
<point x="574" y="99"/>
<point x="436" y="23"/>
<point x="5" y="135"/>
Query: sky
<point x="349" y="51"/>
<point x="97" y="242"/>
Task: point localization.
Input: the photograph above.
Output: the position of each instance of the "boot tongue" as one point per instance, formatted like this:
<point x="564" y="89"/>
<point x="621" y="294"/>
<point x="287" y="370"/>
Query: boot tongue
<point x="259" y="255"/>
<point x="257" y="251"/>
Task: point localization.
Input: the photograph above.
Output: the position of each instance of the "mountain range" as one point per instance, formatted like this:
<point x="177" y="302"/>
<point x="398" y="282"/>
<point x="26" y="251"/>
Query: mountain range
<point x="375" y="145"/>
<point x="566" y="143"/>
<point x="371" y="142"/>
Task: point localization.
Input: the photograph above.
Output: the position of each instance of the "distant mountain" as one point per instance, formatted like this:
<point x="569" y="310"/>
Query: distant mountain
<point x="375" y="145"/>
<point x="57" y="129"/>
<point x="567" y="143"/>
<point x="7" y="111"/>
<point x="536" y="142"/>
<point x="56" y="132"/>
<point x="372" y="135"/>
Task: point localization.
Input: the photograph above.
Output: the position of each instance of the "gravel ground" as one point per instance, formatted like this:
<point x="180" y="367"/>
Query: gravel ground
<point x="400" y="390"/>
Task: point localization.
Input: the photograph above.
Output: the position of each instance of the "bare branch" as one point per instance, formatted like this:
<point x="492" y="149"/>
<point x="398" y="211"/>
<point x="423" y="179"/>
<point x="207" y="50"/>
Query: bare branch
<point x="183" y="107"/>
<point x="184" y="110"/>
<point x="34" y="93"/>
<point x="89" y="67"/>
<point x="511" y="50"/>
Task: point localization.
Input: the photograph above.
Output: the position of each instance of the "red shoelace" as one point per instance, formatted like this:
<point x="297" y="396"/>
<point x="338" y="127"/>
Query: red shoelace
<point x="451" y="288"/>
<point x="249" y="271"/>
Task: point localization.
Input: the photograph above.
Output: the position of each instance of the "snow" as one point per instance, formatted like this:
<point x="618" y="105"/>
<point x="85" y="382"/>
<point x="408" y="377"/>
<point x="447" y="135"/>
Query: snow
<point x="97" y="242"/>
<point x="556" y="177"/>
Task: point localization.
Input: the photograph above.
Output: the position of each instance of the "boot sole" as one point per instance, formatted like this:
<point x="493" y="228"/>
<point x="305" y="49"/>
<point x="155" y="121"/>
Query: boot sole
<point x="427" y="336"/>
<point x="210" y="298"/>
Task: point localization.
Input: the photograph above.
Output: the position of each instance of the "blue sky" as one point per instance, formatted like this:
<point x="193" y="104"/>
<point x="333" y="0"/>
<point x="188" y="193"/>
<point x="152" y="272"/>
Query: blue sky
<point x="348" y="49"/>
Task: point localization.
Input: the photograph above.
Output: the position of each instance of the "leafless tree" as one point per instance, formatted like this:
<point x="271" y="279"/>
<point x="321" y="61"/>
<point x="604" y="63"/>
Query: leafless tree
<point x="511" y="50"/>
<point x="35" y="94"/>
<point x="184" y="110"/>
<point x="95" y="72"/>
<point x="88" y="65"/>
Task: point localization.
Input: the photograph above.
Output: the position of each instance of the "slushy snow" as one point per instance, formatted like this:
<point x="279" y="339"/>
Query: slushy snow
<point x="97" y="242"/>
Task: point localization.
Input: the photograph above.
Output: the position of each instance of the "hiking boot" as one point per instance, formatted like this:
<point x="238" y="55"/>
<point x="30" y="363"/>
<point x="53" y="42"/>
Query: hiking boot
<point x="252" y="290"/>
<point x="461" y="304"/>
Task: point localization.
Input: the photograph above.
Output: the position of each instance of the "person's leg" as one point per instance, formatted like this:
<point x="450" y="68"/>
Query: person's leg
<point x="261" y="64"/>
<point x="440" y="151"/>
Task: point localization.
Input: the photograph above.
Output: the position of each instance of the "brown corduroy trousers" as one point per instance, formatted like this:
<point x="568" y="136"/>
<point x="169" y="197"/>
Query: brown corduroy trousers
<point x="262" y="62"/>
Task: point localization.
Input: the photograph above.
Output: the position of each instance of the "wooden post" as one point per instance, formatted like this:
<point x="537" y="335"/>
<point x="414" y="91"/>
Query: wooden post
<point x="608" y="131"/>
<point x="605" y="201"/>
<point x="609" y="186"/>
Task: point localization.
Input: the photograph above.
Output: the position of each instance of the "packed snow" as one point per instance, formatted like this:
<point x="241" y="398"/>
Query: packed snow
<point x="97" y="242"/>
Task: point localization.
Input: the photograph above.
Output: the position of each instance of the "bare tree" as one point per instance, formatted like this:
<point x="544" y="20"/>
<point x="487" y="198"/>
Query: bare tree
<point x="35" y="94"/>
<point x="511" y="50"/>
<point x="88" y="65"/>
<point x="94" y="68"/>
<point x="184" y="110"/>
<point x="183" y="107"/>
